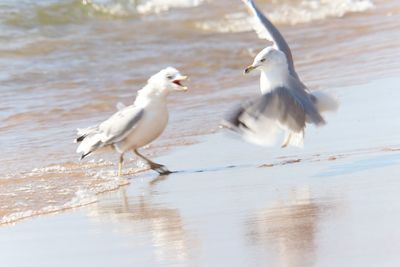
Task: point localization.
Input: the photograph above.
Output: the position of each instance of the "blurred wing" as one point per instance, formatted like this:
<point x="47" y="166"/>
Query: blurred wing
<point x="121" y="124"/>
<point x="262" y="120"/>
<point x="266" y="30"/>
<point x="308" y="101"/>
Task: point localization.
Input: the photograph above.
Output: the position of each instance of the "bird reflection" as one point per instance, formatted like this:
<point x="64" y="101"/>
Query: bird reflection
<point x="140" y="216"/>
<point x="288" y="229"/>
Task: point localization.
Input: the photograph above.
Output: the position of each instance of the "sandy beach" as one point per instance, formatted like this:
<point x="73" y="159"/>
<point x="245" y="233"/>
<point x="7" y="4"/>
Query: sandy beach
<point x="333" y="203"/>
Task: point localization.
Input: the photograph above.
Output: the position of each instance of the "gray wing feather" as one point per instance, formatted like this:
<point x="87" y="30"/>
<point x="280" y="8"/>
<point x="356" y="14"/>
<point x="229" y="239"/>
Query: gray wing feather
<point x="308" y="101"/>
<point x="279" y="105"/>
<point x="277" y="38"/>
<point x="289" y="107"/>
<point x="119" y="125"/>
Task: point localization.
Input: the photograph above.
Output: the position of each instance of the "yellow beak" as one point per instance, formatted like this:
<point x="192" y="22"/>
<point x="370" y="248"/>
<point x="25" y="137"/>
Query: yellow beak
<point x="249" y="69"/>
<point x="182" y="78"/>
<point x="178" y="80"/>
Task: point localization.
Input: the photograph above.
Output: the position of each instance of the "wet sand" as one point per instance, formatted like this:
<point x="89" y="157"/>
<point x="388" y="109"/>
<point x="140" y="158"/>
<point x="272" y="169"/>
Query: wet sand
<point x="333" y="203"/>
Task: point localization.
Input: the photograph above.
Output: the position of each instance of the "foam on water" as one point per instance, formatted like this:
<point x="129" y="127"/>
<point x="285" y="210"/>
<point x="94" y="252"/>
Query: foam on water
<point x="42" y="12"/>
<point x="82" y="197"/>
<point x="157" y="6"/>
<point x="308" y="11"/>
<point x="129" y="8"/>
<point x="284" y="13"/>
<point x="56" y="188"/>
<point x="28" y="14"/>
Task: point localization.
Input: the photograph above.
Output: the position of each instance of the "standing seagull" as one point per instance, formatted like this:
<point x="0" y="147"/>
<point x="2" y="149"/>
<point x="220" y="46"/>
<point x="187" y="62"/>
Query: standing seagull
<point x="286" y="105"/>
<point x="136" y="125"/>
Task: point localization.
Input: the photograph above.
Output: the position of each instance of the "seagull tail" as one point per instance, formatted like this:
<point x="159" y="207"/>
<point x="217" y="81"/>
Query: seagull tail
<point x="80" y="138"/>
<point x="325" y="102"/>
<point x="83" y="133"/>
<point x="89" y="144"/>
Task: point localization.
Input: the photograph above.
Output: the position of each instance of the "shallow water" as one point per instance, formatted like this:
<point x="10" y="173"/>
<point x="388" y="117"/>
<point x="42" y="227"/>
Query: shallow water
<point x="65" y="64"/>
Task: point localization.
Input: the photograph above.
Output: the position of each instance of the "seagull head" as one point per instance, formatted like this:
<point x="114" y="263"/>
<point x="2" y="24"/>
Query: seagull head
<point x="268" y="59"/>
<point x="168" y="79"/>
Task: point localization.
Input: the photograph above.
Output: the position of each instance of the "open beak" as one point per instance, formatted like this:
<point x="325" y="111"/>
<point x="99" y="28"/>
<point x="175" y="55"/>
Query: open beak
<point x="249" y="69"/>
<point x="178" y="81"/>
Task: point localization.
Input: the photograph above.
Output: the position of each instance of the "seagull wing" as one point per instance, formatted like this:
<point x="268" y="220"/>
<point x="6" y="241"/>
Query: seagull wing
<point x="262" y="120"/>
<point x="113" y="130"/>
<point x="307" y="100"/>
<point x="121" y="124"/>
<point x="266" y="30"/>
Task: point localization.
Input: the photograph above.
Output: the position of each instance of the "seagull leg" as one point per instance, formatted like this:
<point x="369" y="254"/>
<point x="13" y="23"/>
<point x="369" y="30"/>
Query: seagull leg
<point x="161" y="169"/>
<point x="121" y="159"/>
<point x="287" y="140"/>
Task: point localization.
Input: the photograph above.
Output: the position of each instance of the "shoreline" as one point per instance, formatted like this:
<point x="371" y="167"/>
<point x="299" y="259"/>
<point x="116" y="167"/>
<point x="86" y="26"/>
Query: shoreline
<point x="280" y="157"/>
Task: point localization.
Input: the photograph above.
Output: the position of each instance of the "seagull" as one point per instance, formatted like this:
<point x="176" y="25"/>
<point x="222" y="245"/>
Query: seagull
<point x="286" y="105"/>
<point x="137" y="125"/>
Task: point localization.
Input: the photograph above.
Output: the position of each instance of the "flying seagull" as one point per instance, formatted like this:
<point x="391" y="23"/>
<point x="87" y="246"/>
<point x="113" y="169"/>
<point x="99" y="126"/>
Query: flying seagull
<point x="286" y="105"/>
<point x="137" y="125"/>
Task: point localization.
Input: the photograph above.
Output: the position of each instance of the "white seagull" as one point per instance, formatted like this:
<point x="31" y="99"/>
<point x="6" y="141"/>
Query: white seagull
<point x="286" y="105"/>
<point x="137" y="125"/>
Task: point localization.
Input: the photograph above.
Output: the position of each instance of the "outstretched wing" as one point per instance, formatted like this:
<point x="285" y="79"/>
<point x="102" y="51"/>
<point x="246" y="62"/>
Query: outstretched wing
<point x="260" y="121"/>
<point x="266" y="30"/>
<point x="119" y="125"/>
<point x="281" y="106"/>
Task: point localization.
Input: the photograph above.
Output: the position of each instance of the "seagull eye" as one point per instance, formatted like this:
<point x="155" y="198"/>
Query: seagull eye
<point x="170" y="77"/>
<point x="262" y="60"/>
